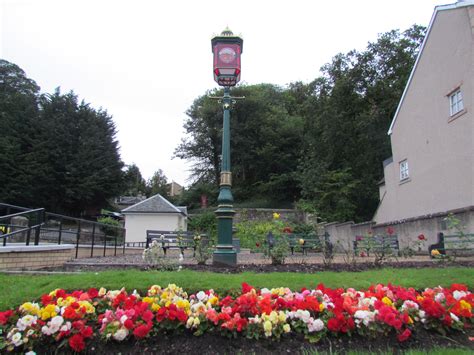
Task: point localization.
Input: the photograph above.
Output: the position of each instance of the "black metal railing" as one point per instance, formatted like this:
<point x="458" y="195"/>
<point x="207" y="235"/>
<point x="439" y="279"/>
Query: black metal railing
<point x="52" y="228"/>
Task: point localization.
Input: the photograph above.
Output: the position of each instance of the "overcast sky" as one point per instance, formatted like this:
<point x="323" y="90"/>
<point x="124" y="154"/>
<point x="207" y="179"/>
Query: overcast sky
<point x="146" y="61"/>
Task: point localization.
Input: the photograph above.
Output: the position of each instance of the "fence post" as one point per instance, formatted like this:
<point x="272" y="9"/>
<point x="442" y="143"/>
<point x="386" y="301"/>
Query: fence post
<point x="115" y="247"/>
<point x="78" y="236"/>
<point x="28" y="234"/>
<point x="105" y="242"/>
<point x="93" y="237"/>
<point x="39" y="223"/>
<point x="60" y="230"/>
<point x="123" y="240"/>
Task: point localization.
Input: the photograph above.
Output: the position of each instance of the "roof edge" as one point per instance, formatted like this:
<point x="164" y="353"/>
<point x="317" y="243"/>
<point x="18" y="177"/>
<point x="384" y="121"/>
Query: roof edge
<point x="437" y="9"/>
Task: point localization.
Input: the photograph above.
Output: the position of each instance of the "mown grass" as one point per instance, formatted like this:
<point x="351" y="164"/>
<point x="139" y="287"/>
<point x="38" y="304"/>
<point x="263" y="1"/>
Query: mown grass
<point x="19" y="288"/>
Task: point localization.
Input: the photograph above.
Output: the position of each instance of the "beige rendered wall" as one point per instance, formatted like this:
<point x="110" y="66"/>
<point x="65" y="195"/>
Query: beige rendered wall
<point x="439" y="149"/>
<point x="138" y="223"/>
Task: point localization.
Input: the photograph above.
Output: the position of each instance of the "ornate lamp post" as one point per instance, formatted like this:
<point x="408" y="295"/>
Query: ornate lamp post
<point x="227" y="49"/>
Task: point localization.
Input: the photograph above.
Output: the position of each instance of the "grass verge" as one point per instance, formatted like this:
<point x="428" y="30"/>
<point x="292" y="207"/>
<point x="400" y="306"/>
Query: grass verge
<point x="17" y="289"/>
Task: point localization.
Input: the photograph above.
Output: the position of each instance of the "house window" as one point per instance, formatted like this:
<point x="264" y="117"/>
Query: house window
<point x="455" y="102"/>
<point x="404" y="170"/>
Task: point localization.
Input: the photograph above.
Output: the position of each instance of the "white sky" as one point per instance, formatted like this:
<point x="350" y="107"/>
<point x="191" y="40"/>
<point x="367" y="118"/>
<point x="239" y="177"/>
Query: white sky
<point x="146" y="61"/>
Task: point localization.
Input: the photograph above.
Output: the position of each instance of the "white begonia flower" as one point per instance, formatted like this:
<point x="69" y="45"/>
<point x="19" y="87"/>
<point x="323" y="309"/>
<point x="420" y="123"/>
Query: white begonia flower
<point x="196" y="322"/>
<point x="454" y="317"/>
<point x="201" y="296"/>
<point x="422" y="315"/>
<point x="439" y="297"/>
<point x="123" y="319"/>
<point x="265" y="291"/>
<point x="121" y="334"/>
<point x="26" y="321"/>
<point x="16" y="339"/>
<point x="66" y="327"/>
<point x="30" y="353"/>
<point x="364" y="317"/>
<point x="409" y="305"/>
<point x="459" y="294"/>
<point x="190" y="322"/>
<point x="316" y="325"/>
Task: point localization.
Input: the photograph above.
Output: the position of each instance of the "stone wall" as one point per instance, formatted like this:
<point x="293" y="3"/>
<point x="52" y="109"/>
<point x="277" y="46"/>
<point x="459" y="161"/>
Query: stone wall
<point x="84" y="251"/>
<point x="34" y="256"/>
<point x="266" y="214"/>
<point x="407" y="230"/>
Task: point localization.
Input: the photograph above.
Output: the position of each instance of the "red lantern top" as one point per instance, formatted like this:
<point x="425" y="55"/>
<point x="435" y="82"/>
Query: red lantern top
<point x="227" y="49"/>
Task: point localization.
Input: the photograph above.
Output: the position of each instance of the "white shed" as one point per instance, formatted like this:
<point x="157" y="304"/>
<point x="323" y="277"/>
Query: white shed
<point x="154" y="213"/>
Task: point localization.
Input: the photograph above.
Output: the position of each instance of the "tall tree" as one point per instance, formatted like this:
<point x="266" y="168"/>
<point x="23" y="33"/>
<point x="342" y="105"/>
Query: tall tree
<point x="18" y="113"/>
<point x="56" y="153"/>
<point x="347" y="120"/>
<point x="133" y="182"/>
<point x="158" y="184"/>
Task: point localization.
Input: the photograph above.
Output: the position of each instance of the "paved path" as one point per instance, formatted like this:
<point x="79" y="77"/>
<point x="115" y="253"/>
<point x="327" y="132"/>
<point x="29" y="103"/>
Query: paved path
<point x="243" y="258"/>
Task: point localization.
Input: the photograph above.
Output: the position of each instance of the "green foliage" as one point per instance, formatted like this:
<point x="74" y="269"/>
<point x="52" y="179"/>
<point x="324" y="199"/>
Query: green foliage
<point x="252" y="234"/>
<point x="158" y="184"/>
<point x="133" y="182"/>
<point x="56" y="153"/>
<point x="109" y="226"/>
<point x="204" y="223"/>
<point x="323" y="142"/>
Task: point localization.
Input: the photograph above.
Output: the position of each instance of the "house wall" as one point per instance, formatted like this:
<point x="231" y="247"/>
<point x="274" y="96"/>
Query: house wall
<point x="137" y="224"/>
<point x="439" y="149"/>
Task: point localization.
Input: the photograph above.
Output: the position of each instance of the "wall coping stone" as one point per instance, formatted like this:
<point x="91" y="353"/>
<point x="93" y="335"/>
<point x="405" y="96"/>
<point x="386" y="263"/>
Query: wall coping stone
<point x="12" y="248"/>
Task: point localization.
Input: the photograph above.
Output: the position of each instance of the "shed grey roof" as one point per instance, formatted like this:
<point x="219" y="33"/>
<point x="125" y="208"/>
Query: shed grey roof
<point x="153" y="204"/>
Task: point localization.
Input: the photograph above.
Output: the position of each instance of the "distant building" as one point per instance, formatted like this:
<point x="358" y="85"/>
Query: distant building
<point x="123" y="202"/>
<point x="154" y="213"/>
<point x="175" y="189"/>
<point x="432" y="133"/>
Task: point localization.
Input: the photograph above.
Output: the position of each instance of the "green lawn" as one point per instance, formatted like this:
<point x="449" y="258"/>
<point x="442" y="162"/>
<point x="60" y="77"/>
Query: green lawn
<point x="17" y="289"/>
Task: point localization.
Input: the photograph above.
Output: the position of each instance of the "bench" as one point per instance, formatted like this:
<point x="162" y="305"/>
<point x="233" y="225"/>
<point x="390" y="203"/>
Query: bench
<point x="173" y="240"/>
<point x="305" y="242"/>
<point x="453" y="243"/>
<point x="382" y="244"/>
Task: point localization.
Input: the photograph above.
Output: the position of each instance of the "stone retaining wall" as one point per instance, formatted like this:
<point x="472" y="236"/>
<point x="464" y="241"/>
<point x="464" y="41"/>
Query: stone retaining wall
<point x="34" y="256"/>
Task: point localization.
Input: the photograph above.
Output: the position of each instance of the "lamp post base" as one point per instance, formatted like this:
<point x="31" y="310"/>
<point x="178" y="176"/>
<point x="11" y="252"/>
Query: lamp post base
<point x="224" y="257"/>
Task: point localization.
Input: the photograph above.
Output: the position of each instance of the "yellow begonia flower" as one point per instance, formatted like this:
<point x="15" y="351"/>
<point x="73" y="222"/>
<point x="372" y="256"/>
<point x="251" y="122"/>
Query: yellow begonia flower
<point x="102" y="292"/>
<point x="48" y="312"/>
<point x="267" y="326"/>
<point x="155" y="307"/>
<point x="276" y="215"/>
<point x="435" y="252"/>
<point x="31" y="308"/>
<point x="465" y="305"/>
<point x="387" y="301"/>
<point x="273" y="317"/>
<point x="148" y="300"/>
<point x="213" y="300"/>
<point x="321" y="307"/>
<point x="410" y="320"/>
<point x="286" y="328"/>
<point x="282" y="317"/>
<point x="89" y="308"/>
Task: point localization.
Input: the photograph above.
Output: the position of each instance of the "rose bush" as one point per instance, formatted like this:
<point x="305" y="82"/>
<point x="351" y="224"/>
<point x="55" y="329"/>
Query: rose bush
<point x="72" y="319"/>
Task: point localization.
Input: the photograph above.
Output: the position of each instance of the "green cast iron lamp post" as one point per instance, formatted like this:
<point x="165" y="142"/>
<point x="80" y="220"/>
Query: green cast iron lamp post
<point x="227" y="49"/>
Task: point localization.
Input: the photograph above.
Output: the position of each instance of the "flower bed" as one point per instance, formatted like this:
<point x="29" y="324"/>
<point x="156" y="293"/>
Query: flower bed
<point x="74" y="319"/>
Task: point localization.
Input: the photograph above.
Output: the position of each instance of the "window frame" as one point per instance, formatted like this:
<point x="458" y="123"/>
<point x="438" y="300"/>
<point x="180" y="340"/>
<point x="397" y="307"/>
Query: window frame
<point x="404" y="170"/>
<point x="456" y="102"/>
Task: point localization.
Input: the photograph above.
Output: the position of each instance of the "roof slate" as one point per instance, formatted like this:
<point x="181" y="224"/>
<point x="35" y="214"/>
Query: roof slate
<point x="153" y="204"/>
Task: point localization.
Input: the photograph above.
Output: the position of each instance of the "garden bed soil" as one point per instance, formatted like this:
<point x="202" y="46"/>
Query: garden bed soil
<point x="264" y="268"/>
<point x="215" y="344"/>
